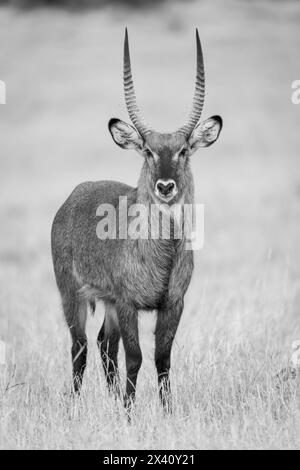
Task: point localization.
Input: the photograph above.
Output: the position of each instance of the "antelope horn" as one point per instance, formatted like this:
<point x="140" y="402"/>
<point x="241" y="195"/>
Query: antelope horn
<point x="198" y="100"/>
<point x="130" y="98"/>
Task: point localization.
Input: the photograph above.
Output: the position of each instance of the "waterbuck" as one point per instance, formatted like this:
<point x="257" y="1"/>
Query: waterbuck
<point x="131" y="274"/>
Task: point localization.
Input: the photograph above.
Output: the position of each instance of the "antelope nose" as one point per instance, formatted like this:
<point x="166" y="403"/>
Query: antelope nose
<point x="165" y="188"/>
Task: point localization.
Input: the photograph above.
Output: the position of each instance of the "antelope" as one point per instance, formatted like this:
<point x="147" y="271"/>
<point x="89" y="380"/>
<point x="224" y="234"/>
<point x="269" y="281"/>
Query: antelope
<point x="126" y="274"/>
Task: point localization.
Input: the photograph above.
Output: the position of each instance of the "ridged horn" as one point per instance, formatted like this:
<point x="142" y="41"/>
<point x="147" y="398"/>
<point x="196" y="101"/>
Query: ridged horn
<point x="130" y="98"/>
<point x="198" y="100"/>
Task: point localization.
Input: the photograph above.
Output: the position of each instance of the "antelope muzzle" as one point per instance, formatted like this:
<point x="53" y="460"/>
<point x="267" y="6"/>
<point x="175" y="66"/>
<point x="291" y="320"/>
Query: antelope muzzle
<point x="165" y="190"/>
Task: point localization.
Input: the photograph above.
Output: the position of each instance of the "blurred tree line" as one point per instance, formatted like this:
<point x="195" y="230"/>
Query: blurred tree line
<point x="75" y="3"/>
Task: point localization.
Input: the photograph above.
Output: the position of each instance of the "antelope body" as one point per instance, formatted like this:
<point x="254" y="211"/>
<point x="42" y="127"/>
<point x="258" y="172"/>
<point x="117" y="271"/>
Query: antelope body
<point x="131" y="274"/>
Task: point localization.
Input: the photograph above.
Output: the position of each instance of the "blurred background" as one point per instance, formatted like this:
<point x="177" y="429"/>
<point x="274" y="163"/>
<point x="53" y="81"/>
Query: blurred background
<point x="62" y="65"/>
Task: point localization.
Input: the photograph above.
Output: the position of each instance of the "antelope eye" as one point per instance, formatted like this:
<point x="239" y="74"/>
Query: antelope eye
<point x="183" y="152"/>
<point x="148" y="153"/>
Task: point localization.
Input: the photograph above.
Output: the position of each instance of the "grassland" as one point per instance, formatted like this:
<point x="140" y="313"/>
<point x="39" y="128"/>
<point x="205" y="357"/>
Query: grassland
<point x="63" y="76"/>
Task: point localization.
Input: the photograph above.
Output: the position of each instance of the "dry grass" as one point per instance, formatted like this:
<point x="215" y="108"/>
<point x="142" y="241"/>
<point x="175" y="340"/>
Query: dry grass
<point x="242" y="310"/>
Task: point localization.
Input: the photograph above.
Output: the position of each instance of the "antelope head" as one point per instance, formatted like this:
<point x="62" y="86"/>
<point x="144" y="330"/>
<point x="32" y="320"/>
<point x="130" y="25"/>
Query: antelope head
<point x="166" y="171"/>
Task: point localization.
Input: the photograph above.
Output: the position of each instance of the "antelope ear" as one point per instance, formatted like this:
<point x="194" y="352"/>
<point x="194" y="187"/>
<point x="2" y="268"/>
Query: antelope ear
<point x="206" y="133"/>
<point x="125" y="135"/>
